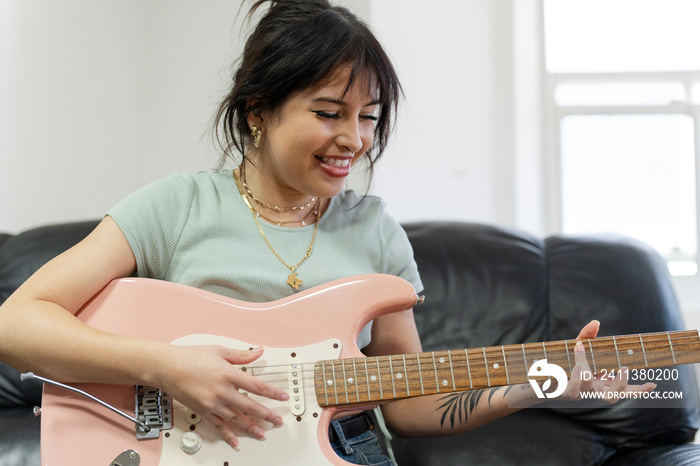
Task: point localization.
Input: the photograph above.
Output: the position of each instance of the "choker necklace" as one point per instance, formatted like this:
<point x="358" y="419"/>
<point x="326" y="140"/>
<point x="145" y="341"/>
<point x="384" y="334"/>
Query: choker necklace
<point x="270" y="206"/>
<point x="286" y="222"/>
<point x="292" y="280"/>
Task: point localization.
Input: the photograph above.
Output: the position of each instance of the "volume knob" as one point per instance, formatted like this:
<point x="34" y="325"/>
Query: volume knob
<point x="191" y="442"/>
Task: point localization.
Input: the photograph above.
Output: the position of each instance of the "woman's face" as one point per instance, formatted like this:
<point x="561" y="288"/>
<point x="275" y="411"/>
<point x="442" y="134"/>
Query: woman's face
<point x="309" y="147"/>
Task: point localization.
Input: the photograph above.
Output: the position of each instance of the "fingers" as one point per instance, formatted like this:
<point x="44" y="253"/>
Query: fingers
<point x="210" y="381"/>
<point x="248" y="382"/>
<point x="590" y="330"/>
<point x="242" y="408"/>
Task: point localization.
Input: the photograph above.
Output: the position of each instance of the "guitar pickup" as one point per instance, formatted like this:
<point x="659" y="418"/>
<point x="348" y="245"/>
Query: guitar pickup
<point x="295" y="376"/>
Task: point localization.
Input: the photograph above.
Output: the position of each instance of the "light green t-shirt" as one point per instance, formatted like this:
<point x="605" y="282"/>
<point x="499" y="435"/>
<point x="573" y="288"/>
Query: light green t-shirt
<point x="196" y="230"/>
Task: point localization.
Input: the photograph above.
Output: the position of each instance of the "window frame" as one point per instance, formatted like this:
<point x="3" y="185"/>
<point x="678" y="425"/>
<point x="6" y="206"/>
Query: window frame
<point x="687" y="287"/>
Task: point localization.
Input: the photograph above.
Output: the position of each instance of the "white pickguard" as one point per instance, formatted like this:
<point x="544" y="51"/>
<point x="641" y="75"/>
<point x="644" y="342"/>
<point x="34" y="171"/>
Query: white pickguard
<point x="296" y="443"/>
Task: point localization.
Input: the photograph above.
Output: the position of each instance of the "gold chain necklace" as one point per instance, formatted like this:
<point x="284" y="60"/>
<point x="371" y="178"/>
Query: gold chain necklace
<point x="292" y="280"/>
<point x="270" y="206"/>
<point x="281" y="223"/>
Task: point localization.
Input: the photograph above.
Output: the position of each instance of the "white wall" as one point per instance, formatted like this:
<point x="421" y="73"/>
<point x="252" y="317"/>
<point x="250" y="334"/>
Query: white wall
<point x="99" y="97"/>
<point x="452" y="157"/>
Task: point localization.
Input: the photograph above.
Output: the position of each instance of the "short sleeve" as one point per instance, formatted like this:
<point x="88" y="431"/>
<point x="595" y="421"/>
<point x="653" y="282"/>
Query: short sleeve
<point x="397" y="252"/>
<point x="152" y="220"/>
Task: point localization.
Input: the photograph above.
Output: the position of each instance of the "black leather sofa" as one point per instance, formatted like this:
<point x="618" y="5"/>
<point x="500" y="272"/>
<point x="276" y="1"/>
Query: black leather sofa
<point x="484" y="286"/>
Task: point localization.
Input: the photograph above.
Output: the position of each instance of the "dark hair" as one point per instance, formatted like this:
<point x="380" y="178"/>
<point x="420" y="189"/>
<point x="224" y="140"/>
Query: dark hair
<point x="298" y="44"/>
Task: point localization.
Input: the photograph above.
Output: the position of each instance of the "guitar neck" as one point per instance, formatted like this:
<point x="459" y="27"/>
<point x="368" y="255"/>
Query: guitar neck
<point x="374" y="379"/>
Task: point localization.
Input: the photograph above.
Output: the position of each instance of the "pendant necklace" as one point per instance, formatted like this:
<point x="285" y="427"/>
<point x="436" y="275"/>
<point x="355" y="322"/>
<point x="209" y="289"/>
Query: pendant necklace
<point x="293" y="279"/>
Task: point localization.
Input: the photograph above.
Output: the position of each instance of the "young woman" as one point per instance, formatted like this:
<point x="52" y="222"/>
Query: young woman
<point x="314" y="94"/>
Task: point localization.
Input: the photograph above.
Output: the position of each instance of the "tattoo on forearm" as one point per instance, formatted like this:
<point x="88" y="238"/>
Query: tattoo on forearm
<point x="457" y="407"/>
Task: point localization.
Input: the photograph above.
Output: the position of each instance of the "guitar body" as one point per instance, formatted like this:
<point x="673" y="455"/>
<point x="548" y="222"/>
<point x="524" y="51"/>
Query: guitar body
<point x="320" y="323"/>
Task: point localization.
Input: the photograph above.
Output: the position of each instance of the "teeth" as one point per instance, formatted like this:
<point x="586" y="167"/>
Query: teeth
<point x="337" y="162"/>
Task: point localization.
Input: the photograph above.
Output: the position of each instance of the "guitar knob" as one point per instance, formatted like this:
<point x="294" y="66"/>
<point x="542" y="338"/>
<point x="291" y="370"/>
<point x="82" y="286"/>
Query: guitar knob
<point x="191" y="442"/>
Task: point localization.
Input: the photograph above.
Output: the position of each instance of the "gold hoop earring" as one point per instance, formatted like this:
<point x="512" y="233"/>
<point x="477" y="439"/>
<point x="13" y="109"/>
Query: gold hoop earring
<point x="257" y="134"/>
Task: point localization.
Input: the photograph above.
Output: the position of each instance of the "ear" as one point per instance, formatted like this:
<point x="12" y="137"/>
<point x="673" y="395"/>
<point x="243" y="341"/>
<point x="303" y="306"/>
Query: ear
<point x="255" y="117"/>
<point x="254" y="120"/>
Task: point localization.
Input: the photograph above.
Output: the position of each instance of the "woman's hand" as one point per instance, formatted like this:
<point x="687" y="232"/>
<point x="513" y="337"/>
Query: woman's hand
<point x="206" y="380"/>
<point x="593" y="384"/>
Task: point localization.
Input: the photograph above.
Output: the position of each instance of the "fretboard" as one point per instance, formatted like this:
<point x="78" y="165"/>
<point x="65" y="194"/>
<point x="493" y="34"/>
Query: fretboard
<point x="375" y="379"/>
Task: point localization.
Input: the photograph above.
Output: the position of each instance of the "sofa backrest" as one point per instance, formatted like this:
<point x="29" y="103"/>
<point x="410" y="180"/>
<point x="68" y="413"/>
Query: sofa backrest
<point x="489" y="286"/>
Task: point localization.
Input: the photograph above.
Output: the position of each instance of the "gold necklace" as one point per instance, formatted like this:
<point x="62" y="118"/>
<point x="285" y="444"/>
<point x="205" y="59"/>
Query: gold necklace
<point x="292" y="280"/>
<point x="280" y="223"/>
<point x="270" y="206"/>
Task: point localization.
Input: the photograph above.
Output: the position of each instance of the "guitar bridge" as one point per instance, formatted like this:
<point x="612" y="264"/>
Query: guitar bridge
<point x="154" y="408"/>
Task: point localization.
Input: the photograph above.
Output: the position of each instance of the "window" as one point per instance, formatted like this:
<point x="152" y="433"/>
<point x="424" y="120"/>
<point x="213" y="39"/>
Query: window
<point x="623" y="84"/>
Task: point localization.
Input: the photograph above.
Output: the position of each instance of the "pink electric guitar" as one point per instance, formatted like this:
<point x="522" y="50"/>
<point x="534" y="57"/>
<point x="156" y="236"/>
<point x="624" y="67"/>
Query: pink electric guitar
<point x="310" y="352"/>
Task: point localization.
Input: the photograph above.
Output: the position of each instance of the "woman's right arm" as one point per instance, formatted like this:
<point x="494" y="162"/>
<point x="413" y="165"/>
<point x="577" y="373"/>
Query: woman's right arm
<point x="39" y="332"/>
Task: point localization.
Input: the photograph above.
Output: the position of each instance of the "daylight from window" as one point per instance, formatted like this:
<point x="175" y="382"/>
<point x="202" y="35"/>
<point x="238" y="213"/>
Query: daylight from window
<point x="624" y="78"/>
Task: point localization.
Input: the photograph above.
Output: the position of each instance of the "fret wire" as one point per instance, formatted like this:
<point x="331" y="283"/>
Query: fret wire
<point x="644" y="351"/>
<point x="391" y="372"/>
<point x="379" y="376"/>
<point x="522" y="346"/>
<point x="590" y="345"/>
<point x="486" y="365"/>
<point x="673" y="353"/>
<point x="505" y="364"/>
<point x="568" y="356"/>
<point x="544" y="350"/>
<point x="437" y="382"/>
<point x="469" y="370"/>
<point x="420" y="375"/>
<point x="345" y="383"/>
<point x="369" y="392"/>
<point x="335" y="383"/>
<point x="617" y="353"/>
<point x="449" y="356"/>
<point x="357" y="385"/>
<point x="325" y="385"/>
<point x="405" y="371"/>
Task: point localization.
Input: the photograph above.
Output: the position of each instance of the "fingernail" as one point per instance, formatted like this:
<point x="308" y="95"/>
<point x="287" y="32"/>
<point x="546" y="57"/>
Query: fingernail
<point x="277" y="422"/>
<point x="234" y="444"/>
<point x="579" y="346"/>
<point x="258" y="349"/>
<point x="284" y="397"/>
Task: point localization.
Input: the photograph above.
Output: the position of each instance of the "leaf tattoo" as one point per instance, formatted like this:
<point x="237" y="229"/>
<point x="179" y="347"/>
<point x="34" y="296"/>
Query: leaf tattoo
<point x="458" y="406"/>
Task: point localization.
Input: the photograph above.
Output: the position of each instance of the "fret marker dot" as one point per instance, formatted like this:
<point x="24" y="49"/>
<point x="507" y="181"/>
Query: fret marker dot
<point x="442" y="360"/>
<point x="444" y="383"/>
<point x="398" y="376"/>
<point x="330" y="382"/>
<point x="629" y="351"/>
<point x="350" y="380"/>
<point x="495" y="365"/>
<point x="373" y="378"/>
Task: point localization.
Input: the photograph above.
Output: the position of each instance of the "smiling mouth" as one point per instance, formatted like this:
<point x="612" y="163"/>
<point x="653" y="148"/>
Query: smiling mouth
<point x="342" y="163"/>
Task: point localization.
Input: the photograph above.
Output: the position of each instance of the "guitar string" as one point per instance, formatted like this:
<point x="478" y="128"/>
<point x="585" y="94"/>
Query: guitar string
<point x="497" y="354"/>
<point x="309" y="382"/>
<point x="346" y="390"/>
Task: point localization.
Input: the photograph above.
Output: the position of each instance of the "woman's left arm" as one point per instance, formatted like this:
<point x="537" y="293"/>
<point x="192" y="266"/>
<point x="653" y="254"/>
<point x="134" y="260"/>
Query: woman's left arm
<point x="459" y="412"/>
